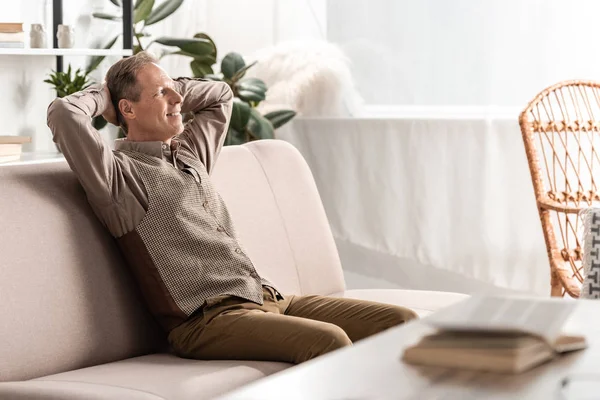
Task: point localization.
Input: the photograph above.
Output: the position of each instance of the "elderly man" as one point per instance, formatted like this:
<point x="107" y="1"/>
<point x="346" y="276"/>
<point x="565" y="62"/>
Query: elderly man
<point x="154" y="194"/>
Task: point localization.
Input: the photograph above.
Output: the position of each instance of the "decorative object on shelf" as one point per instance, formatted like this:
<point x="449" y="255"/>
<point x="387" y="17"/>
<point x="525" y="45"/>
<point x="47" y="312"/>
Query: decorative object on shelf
<point x="65" y="36"/>
<point x="37" y="36"/>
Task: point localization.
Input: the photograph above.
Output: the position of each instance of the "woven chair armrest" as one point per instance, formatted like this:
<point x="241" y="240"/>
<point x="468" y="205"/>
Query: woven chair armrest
<point x="550" y="204"/>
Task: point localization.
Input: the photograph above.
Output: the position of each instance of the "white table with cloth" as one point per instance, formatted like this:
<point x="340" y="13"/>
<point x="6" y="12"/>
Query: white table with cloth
<point x="434" y="199"/>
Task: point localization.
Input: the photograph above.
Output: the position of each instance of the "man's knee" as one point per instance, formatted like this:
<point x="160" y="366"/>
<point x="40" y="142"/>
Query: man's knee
<point x="400" y="315"/>
<point x="328" y="337"/>
<point x="336" y="337"/>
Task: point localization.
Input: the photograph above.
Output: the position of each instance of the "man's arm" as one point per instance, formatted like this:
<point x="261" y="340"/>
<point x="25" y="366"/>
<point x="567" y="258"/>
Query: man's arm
<point x="70" y="120"/>
<point x="211" y="102"/>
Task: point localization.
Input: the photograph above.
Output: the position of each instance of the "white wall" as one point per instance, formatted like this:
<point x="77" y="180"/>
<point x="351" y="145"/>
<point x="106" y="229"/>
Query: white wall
<point x="465" y="52"/>
<point x="235" y="25"/>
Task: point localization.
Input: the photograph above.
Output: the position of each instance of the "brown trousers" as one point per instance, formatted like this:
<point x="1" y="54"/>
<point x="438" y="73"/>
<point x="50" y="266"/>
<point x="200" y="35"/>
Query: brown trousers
<point x="294" y="329"/>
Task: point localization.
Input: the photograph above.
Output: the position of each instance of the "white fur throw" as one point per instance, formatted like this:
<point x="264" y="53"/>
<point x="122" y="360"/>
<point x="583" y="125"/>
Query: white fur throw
<point x="312" y="78"/>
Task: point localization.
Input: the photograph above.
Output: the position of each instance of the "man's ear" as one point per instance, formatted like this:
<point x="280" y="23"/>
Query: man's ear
<point x="126" y="109"/>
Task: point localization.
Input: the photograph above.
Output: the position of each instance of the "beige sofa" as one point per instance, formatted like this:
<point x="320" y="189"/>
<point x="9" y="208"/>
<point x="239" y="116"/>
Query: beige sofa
<point x="73" y="325"/>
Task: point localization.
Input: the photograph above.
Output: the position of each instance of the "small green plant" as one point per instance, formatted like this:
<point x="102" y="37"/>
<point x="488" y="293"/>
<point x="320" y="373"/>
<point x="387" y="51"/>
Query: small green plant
<point x="66" y="83"/>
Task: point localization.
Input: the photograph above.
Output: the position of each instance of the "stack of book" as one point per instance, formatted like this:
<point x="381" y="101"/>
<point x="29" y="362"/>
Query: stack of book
<point x="11" y="147"/>
<point x="11" y="35"/>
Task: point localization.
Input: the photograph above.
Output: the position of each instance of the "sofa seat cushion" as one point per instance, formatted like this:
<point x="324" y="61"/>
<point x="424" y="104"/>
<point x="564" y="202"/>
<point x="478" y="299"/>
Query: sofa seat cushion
<point x="423" y="302"/>
<point x="61" y="390"/>
<point x="171" y="377"/>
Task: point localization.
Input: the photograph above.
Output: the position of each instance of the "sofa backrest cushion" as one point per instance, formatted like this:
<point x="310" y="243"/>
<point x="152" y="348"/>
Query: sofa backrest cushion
<point x="277" y="211"/>
<point x="67" y="300"/>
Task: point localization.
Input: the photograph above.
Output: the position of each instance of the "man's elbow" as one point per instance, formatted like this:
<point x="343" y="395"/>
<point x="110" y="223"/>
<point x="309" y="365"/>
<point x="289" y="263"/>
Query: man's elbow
<point x="56" y="112"/>
<point x="226" y="94"/>
<point x="62" y="118"/>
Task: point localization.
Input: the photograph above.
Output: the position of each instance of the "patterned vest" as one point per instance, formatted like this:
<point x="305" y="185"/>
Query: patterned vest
<point x="185" y="250"/>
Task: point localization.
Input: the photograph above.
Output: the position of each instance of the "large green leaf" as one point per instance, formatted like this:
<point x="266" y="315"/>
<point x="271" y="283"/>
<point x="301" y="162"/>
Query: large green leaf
<point x="231" y="64"/>
<point x="280" y="117"/>
<point x="198" y="47"/>
<point x="251" y="84"/>
<point x="106" y="16"/>
<point x="251" y="89"/>
<point x="201" y="35"/>
<point x="260" y="127"/>
<point x="199" y="69"/>
<point x="96" y="60"/>
<point x="142" y="10"/>
<point x="249" y="96"/>
<point x="163" y="11"/>
<point x="116" y="2"/>
<point x="240" y="74"/>
<point x="240" y="115"/>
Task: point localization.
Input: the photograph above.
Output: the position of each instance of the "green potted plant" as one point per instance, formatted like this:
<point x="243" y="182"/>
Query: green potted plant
<point x="247" y="123"/>
<point x="69" y="82"/>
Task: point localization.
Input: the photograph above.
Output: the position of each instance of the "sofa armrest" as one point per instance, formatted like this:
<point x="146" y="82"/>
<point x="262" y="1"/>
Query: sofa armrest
<point x="67" y="390"/>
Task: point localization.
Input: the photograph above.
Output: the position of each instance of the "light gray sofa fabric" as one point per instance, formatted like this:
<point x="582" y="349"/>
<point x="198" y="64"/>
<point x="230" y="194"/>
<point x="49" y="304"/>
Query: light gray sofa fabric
<point x="72" y="316"/>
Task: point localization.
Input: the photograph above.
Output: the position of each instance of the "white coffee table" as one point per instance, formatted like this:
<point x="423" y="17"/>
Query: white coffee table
<point x="372" y="369"/>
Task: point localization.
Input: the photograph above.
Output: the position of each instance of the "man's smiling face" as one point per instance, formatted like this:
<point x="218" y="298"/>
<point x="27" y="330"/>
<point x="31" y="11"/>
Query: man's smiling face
<point x="156" y="115"/>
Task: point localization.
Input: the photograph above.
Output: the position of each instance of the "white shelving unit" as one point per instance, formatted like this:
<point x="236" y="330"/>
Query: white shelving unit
<point x="66" y="52"/>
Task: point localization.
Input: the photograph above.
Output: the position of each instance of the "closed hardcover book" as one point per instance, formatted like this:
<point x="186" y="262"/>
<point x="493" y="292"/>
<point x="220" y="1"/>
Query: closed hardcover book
<point x="12" y="45"/>
<point x="8" y="139"/>
<point x="11" y="139"/>
<point x="11" y="27"/>
<point x="12" y="37"/>
<point x="506" y="335"/>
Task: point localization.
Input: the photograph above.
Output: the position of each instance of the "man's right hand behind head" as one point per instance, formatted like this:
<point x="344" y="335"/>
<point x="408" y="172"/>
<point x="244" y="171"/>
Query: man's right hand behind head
<point x="109" y="113"/>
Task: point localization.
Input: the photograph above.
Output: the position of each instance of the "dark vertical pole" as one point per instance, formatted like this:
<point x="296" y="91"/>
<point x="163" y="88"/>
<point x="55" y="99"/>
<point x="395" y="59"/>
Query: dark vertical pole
<point x="127" y="24"/>
<point x="57" y="12"/>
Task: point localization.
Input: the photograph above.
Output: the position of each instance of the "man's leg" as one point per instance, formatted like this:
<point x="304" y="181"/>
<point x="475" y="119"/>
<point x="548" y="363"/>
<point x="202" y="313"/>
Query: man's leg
<point x="358" y="318"/>
<point x="247" y="331"/>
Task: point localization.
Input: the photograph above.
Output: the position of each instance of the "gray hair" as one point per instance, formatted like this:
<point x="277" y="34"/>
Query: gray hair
<point x="121" y="80"/>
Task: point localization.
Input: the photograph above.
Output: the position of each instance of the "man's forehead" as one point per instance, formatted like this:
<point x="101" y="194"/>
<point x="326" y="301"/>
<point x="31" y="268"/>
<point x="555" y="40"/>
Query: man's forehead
<point x="154" y="77"/>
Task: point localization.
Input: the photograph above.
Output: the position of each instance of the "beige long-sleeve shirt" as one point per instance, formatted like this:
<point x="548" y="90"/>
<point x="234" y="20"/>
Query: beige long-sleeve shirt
<point x="113" y="187"/>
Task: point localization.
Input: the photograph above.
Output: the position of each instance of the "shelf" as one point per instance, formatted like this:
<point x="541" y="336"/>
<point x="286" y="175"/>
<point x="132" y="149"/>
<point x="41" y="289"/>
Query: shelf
<point x="65" y="52"/>
<point x="35" y="158"/>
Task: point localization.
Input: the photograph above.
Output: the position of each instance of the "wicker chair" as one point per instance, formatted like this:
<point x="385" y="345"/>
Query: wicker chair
<point x="561" y="131"/>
